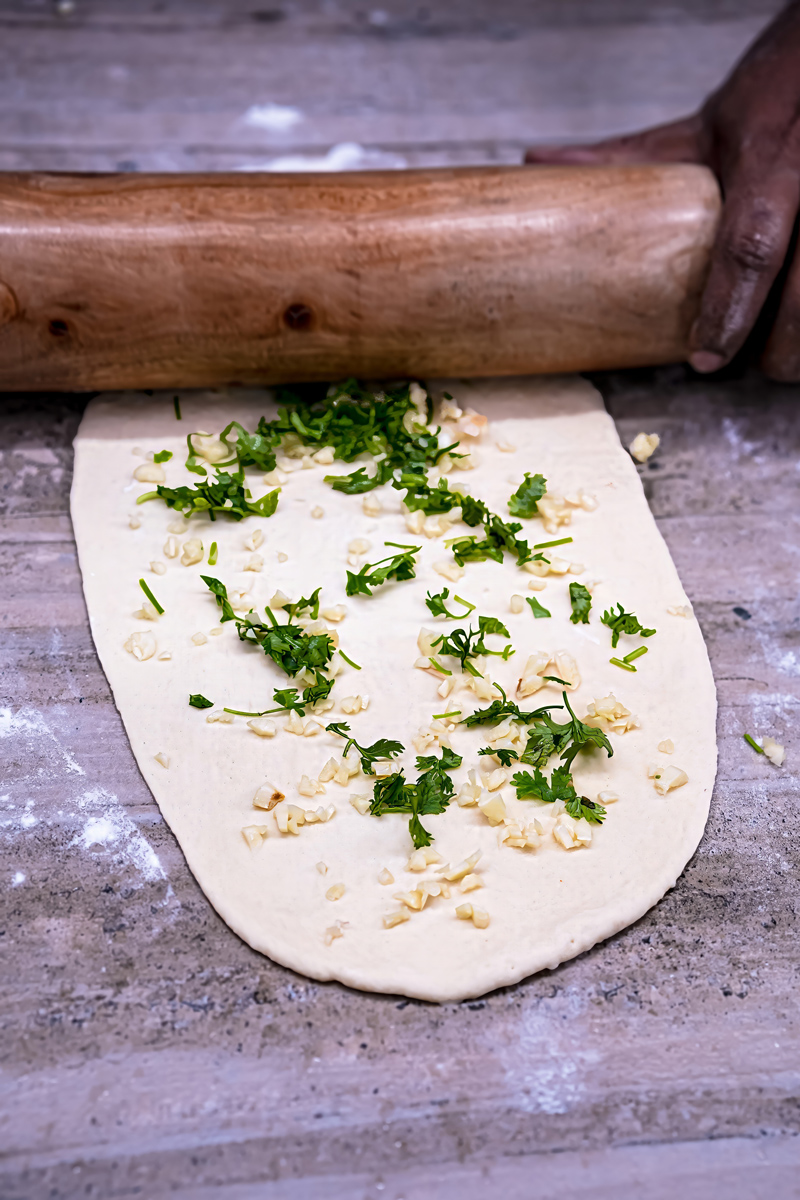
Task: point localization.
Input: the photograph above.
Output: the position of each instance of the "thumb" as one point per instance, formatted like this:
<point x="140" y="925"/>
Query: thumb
<point x="679" y="141"/>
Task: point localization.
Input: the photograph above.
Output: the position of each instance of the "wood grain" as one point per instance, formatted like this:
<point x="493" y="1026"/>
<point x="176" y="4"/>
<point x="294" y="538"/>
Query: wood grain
<point x="158" y="281"/>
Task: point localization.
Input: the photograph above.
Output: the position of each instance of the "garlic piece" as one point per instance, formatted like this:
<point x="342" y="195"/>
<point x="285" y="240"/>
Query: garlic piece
<point x="254" y="835"/>
<point x="171" y="547"/>
<point x="333" y="932"/>
<point x="449" y="570"/>
<point x="254" y="540"/>
<point x="149" y="473"/>
<point x="665" y="778"/>
<point x="263" y="727"/>
<point x="162" y="758"/>
<point x="267" y="796"/>
<point x="453" y="874"/>
<point x="317" y="512"/>
<point x="643" y="445"/>
<point x="335" y="892"/>
<point x="141" y="645"/>
<point x="606" y="798"/>
<point x="395" y="918"/>
<point x="254" y="563"/>
<point x="361" y="804"/>
<point x="385" y="877"/>
<point x="199" y="639"/>
<point x="324" y="457"/>
<point x="667" y="746"/>
<point x="134" y="522"/>
<point x="775" y="752"/>
<point x="371" y="505"/>
<point x="493" y="808"/>
<point x="192" y="552"/>
<point x="517" y="604"/>
<point x="158" y="568"/>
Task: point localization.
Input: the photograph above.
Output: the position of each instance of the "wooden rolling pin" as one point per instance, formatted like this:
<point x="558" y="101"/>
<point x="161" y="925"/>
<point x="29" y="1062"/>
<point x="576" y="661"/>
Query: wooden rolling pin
<point x="146" y="281"/>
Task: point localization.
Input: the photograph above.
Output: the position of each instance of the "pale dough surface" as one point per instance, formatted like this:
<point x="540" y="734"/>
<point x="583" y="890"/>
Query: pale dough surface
<point x="546" y="906"/>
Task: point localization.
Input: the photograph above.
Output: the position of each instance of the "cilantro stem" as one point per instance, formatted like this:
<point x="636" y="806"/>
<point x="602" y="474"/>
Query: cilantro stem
<point x="150" y="597"/>
<point x="147" y="496"/>
<point x="237" y="713"/>
<point x="212" y="555"/>
<point x="626" y="666"/>
<point x="469" y="607"/>
<point x="637" y="653"/>
<point x="555" y="679"/>
<point x="177" y="406"/>
<point x="546" y="545"/>
<point x="442" y="716"/>
<point x="752" y="742"/>
<point x="439" y="667"/>
<point x="349" y="660"/>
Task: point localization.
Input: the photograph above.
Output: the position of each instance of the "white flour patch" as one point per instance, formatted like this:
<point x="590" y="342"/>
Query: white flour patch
<point x="276" y="118"/>
<point x="109" y="827"/>
<point x="545" y="1074"/>
<point x="346" y="156"/>
<point x="41" y="742"/>
<point x="18" y="878"/>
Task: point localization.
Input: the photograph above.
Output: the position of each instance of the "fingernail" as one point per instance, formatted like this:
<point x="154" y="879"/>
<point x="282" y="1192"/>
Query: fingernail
<point x="705" y="361"/>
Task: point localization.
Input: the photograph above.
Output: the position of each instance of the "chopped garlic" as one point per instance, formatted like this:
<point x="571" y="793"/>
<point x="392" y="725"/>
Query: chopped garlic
<point x="192" y="552"/>
<point x="324" y="456"/>
<point x="294" y="724"/>
<point x="517" y="604"/>
<point x="171" y="547"/>
<point x="336" y="613"/>
<point x="164" y="656"/>
<point x="141" y="645"/>
<point x="505" y="447"/>
<point x="681" y="610"/>
<point x="359" y="546"/>
<point x="609" y="714"/>
<point x="352" y="705"/>
<point x="149" y="473"/>
<point x="453" y="874"/>
<point x="493" y="808"/>
<point x="468" y="912"/>
<point x="775" y="752"/>
<point x="310" y="787"/>
<point x="449" y="570"/>
<point x="282" y="558"/>
<point x="385" y="877"/>
<point x="470" y="792"/>
<point x="332" y="933"/>
<point x="134" y="521"/>
<point x="289" y="818"/>
<point x="537" y="585"/>
<point x="416" y="899"/>
<point x="199" y="639"/>
<point x="606" y="798"/>
<point x="267" y="796"/>
<point x="534" y="668"/>
<point x="322" y="868"/>
<point x="254" y="563"/>
<point x="179" y="525"/>
<point x="470" y="882"/>
<point x="558" y="566"/>
<point x="665" y="778"/>
<point x="158" y="568"/>
<point x="395" y="918"/>
<point x="279" y="600"/>
<point x="667" y="746"/>
<point x="317" y="512"/>
<point x="254" y="835"/>
<point x="311" y="728"/>
<point x="147" y="612"/>
<point x="497" y="779"/>
<point x="254" y="540"/>
<point x="241" y="601"/>
<point x="643" y="445"/>
<point x="420" y="860"/>
<point x="572" y="834"/>
<point x="361" y="804"/>
<point x="219" y="715"/>
<point x="371" y="506"/>
<point x="576" y="568"/>
<point x="275" y="478"/>
<point x="162" y="758"/>
<point x="464" y="912"/>
<point x="263" y="727"/>
<point x="335" y="892"/>
<point x="209" y="447"/>
<point x="567" y="669"/>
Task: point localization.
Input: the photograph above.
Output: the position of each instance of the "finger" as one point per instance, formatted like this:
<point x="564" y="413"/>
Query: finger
<point x="680" y="141"/>
<point x="749" y="250"/>
<point x="781" y="358"/>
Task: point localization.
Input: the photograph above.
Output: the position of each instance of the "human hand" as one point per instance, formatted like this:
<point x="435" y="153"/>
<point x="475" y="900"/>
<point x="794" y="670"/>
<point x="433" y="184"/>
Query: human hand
<point x="748" y="133"/>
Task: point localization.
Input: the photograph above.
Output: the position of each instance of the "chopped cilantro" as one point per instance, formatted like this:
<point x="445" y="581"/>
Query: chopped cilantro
<point x="500" y="538"/>
<point x="289" y="699"/>
<point x="537" y="609"/>
<point x="212" y="555"/>
<point x="150" y="597"/>
<point x="198" y="701"/>
<point x="498" y="710"/>
<point x="383" y="748"/>
<point x="227" y="494"/>
<point x="465" y="644"/>
<point x="308" y="604"/>
<point x="372" y="575"/>
<point x="581" y="600"/>
<point x="505" y="756"/>
<point x="751" y="741"/>
<point x="359" y="481"/>
<point x="431" y="793"/>
<point x="473" y="512"/>
<point x="176" y="404"/>
<point x="430" y="500"/>
<point x="525" y="500"/>
<point x="547" y="545"/>
<point x="162" y="456"/>
<point x="620" y="622"/>
<point x="436" y="604"/>
<point x="560" y="787"/>
<point x="287" y="645"/>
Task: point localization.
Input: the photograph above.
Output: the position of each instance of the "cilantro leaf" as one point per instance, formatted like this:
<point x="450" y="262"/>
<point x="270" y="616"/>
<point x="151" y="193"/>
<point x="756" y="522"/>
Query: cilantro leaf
<point x="431" y="793"/>
<point x="221" y="593"/>
<point x="227" y="495"/>
<point x="560" y="787"/>
<point x="359" y="481"/>
<point x="505" y="756"/>
<point x="538" y="609"/>
<point x="525" y="500"/>
<point x="162" y="456"/>
<point x="398" y="566"/>
<point x="620" y="622"/>
<point x="430" y="500"/>
<point x="383" y="748"/>
<point x="198" y="701"/>
<point x="581" y="600"/>
<point x="499" y="710"/>
<point x="473" y="512"/>
<point x="436" y="604"/>
<point x="465" y="644"/>
<point x="312" y="604"/>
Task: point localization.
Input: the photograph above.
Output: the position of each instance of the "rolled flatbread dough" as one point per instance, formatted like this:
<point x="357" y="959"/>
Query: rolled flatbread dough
<point x="544" y="906"/>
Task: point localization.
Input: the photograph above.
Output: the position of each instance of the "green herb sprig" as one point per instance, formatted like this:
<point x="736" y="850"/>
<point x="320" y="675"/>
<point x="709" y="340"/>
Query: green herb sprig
<point x="560" y="787"/>
<point x="431" y="793"/>
<point x="525" y="500"/>
<point x="396" y="566"/>
<point x="226" y="495"/>
<point x="466" y="644"/>
<point x="581" y="600"/>
<point x="369" y="755"/>
<point x="438" y="607"/>
<point x="620" y="622"/>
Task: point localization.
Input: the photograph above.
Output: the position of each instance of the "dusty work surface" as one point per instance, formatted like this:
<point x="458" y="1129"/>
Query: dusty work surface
<point x="146" y="1051"/>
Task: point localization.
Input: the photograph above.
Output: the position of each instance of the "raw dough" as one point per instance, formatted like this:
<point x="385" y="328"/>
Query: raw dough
<point x="546" y="906"/>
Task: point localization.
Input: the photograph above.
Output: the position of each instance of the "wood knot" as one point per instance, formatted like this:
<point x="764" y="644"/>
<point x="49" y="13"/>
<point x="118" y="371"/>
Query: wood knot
<point x="58" y="328"/>
<point x="298" y="316"/>
<point x="8" y="304"/>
